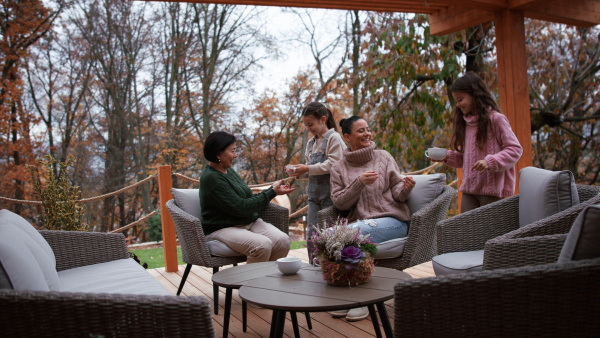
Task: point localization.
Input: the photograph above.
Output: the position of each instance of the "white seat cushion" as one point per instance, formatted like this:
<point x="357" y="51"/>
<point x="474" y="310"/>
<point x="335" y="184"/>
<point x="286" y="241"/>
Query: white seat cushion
<point x="426" y="189"/>
<point x="583" y="240"/>
<point x="390" y="249"/>
<point x="221" y="249"/>
<point x="458" y="262"/>
<point x="188" y="200"/>
<point x="25" y="255"/>
<point x="544" y="193"/>
<point x="122" y="276"/>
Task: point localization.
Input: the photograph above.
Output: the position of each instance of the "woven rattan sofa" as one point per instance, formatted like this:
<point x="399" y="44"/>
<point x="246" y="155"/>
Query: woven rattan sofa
<point x="553" y="300"/>
<point x="495" y="229"/>
<point x="428" y="202"/>
<point x="66" y="284"/>
<point x="559" y="299"/>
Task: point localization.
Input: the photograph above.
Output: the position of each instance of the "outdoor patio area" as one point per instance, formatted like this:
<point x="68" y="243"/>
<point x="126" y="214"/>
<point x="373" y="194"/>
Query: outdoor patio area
<point x="259" y="320"/>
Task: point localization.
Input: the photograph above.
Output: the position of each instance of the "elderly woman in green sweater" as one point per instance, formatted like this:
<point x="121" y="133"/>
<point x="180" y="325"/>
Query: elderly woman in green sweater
<point x="230" y="210"/>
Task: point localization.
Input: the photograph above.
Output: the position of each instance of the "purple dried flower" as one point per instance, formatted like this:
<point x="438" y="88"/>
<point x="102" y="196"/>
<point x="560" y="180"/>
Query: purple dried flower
<point x="352" y="254"/>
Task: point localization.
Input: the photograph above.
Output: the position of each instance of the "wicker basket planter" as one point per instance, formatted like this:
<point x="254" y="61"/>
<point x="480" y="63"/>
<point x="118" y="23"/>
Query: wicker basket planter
<point x="346" y="274"/>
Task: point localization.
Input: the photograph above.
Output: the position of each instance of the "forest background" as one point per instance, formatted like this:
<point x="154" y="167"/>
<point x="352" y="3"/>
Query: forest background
<point x="127" y="86"/>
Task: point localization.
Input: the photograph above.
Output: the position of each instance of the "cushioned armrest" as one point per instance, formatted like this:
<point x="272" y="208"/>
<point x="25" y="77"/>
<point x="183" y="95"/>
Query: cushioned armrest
<point x="469" y="231"/>
<point x="62" y="314"/>
<point x="551" y="300"/>
<point x="501" y="253"/>
<point x="73" y="249"/>
<point x="276" y="215"/>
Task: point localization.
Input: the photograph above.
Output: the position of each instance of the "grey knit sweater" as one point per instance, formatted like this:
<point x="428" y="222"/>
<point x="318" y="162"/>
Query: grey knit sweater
<point x="384" y="198"/>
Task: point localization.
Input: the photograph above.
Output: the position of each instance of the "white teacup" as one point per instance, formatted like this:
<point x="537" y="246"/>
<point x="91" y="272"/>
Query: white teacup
<point x="437" y="154"/>
<point x="290" y="169"/>
<point x="289" y="265"/>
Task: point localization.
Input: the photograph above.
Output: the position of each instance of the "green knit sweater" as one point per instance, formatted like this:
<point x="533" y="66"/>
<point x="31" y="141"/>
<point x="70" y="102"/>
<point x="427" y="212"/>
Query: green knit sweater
<point x="226" y="200"/>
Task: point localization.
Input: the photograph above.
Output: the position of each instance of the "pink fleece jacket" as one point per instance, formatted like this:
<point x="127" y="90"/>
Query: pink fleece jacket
<point x="501" y="150"/>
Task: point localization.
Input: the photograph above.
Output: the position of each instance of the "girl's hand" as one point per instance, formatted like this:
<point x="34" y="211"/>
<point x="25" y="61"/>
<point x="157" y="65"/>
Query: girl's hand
<point x="409" y="183"/>
<point x="443" y="160"/>
<point x="281" y="188"/>
<point x="368" y="177"/>
<point x="301" y="169"/>
<point x="480" y="165"/>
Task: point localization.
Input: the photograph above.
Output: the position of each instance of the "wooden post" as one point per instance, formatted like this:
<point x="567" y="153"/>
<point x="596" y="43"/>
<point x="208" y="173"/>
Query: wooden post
<point x="513" y="82"/>
<point x="168" y="229"/>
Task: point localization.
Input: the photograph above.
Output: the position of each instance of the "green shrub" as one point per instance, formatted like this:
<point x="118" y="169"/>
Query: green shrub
<point x="62" y="210"/>
<point x="154" y="229"/>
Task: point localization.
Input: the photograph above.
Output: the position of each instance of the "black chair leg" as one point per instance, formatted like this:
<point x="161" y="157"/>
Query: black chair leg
<point x="308" y="321"/>
<point x="216" y="292"/>
<point x="185" y="274"/>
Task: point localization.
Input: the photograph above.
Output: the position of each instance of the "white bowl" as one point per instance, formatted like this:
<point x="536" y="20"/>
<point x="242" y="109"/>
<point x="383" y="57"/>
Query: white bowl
<point x="289" y="265"/>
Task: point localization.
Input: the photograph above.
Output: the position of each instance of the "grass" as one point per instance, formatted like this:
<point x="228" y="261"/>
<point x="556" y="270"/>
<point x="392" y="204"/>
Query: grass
<point x="155" y="258"/>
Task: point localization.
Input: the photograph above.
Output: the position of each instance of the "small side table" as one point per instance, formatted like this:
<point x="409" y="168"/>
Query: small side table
<point x="235" y="277"/>
<point x="307" y="291"/>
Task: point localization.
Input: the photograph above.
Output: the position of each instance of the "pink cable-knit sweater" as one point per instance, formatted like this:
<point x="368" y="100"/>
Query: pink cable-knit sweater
<point x="502" y="151"/>
<point x="384" y="198"/>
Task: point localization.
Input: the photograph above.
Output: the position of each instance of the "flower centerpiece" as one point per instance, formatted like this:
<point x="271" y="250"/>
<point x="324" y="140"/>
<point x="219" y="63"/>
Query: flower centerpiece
<point x="345" y="255"/>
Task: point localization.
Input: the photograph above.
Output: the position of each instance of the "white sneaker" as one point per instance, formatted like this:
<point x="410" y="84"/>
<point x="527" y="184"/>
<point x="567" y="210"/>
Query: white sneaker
<point x="338" y="313"/>
<point x="357" y="314"/>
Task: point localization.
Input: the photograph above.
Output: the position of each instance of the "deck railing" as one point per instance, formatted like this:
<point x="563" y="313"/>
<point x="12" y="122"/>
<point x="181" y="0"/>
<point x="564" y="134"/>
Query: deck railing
<point x="165" y="183"/>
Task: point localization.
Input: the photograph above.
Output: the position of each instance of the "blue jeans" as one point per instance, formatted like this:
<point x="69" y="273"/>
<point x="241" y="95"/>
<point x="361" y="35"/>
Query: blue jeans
<point x="382" y="229"/>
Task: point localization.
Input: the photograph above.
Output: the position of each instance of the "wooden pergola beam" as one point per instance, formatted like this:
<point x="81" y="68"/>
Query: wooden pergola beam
<point x="452" y="19"/>
<point x="582" y="13"/>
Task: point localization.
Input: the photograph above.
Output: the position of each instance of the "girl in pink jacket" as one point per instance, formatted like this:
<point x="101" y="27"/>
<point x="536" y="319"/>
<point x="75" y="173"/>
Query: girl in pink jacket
<point x="483" y="143"/>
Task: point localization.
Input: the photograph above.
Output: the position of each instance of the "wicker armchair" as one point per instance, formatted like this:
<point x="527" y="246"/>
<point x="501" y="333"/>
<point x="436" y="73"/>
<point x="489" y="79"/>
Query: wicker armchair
<point x="194" y="248"/>
<point x="78" y="314"/>
<point x="494" y="228"/>
<point x="553" y="300"/>
<point x="420" y="245"/>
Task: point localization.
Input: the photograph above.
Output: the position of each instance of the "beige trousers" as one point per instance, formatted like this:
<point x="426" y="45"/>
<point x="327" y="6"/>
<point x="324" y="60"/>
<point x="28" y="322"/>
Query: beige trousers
<point x="260" y="241"/>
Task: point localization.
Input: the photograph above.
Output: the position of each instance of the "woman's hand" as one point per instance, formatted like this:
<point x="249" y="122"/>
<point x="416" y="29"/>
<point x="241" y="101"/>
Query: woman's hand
<point x="368" y="177"/>
<point x="409" y="183"/>
<point x="481" y="165"/>
<point x="282" y="188"/>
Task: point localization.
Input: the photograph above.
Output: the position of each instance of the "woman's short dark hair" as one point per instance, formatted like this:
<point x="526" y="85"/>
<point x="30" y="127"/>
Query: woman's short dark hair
<point x="347" y="124"/>
<point x="216" y="143"/>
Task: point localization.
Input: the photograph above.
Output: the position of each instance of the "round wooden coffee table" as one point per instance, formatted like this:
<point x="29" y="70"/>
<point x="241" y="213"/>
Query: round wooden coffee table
<point x="307" y="291"/>
<point x="237" y="276"/>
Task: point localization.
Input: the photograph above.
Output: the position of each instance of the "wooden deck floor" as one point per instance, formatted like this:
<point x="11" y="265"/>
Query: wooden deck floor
<point x="199" y="284"/>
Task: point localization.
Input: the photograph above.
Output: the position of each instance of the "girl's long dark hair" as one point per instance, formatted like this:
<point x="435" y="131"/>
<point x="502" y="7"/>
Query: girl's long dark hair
<point x="318" y="110"/>
<point x="473" y="85"/>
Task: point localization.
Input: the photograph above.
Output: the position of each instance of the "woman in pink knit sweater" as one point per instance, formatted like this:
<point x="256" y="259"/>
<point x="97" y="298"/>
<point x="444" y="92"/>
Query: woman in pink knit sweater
<point x="482" y="143"/>
<point x="367" y="182"/>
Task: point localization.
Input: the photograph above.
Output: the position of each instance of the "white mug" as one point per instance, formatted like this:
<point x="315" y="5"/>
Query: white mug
<point x="437" y="154"/>
<point x="290" y="169"/>
<point x="289" y="265"/>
